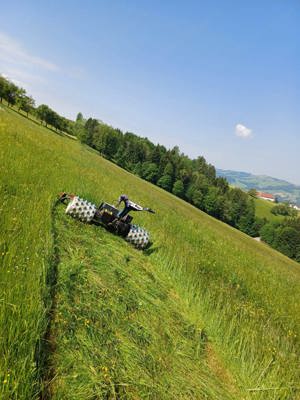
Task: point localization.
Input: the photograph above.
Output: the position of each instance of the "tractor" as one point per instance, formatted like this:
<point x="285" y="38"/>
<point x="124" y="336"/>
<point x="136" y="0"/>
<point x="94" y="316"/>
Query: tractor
<point x="107" y="215"/>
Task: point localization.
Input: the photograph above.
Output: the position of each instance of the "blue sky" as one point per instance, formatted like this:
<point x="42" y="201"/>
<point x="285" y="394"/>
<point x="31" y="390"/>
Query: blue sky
<point x="220" y="79"/>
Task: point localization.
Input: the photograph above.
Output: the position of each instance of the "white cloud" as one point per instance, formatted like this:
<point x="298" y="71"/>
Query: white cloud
<point x="242" y="131"/>
<point x="12" y="52"/>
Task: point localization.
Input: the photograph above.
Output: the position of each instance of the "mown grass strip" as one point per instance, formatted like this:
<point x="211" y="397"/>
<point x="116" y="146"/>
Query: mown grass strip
<point x="132" y="335"/>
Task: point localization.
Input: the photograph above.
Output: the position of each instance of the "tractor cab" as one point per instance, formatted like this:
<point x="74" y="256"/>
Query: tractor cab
<point x="107" y="215"/>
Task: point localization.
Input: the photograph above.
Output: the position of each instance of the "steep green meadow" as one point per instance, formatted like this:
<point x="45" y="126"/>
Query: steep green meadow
<point x="263" y="210"/>
<point x="206" y="313"/>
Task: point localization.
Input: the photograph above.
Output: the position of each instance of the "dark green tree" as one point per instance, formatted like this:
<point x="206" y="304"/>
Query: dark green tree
<point x="106" y="140"/>
<point x="12" y="93"/>
<point x="198" y="198"/>
<point x="252" y="193"/>
<point x="43" y="112"/>
<point x="138" y="169"/>
<point x="212" y="202"/>
<point x="3" y="88"/>
<point x="287" y="241"/>
<point x="165" y="182"/>
<point x="284" y="209"/>
<point x="79" y="117"/>
<point x="258" y="224"/>
<point x="222" y="184"/>
<point x="268" y="232"/>
<point x="26" y="103"/>
<point x="246" y="222"/>
<point x="178" y="189"/>
<point x="150" y="172"/>
<point x="156" y="155"/>
<point x="79" y="130"/>
<point x="169" y="169"/>
<point x="90" y="127"/>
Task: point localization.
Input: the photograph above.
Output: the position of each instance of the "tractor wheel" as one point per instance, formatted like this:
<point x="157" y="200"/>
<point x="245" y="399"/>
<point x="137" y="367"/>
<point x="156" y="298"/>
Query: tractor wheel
<point x="81" y="209"/>
<point x="137" y="236"/>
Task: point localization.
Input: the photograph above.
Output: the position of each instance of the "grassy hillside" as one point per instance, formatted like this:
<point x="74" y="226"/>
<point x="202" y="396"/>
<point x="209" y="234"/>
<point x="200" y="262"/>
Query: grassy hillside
<point x="263" y="210"/>
<point x="207" y="313"/>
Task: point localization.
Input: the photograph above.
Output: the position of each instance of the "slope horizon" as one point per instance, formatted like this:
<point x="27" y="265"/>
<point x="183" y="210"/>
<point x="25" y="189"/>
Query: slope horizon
<point x="71" y="117"/>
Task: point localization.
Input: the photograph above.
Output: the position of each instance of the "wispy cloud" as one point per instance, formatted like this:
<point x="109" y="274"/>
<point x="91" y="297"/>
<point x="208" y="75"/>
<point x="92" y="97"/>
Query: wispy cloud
<point x="21" y="66"/>
<point x="243" y="132"/>
<point x="23" y="76"/>
<point x="39" y="76"/>
<point x="29" y="70"/>
<point x="12" y="52"/>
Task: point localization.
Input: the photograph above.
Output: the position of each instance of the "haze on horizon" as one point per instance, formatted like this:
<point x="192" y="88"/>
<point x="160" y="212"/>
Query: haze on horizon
<point x="219" y="80"/>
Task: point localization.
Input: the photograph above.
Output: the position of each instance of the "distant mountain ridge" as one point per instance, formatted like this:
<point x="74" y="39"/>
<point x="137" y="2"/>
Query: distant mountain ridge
<point x="285" y="191"/>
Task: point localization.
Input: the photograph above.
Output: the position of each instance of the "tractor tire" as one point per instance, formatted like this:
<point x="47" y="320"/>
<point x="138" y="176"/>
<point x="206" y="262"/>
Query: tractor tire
<point x="81" y="209"/>
<point x="138" y="236"/>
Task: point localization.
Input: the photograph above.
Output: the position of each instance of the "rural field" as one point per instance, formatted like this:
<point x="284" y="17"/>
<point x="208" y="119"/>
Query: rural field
<point x="263" y="210"/>
<point x="205" y="313"/>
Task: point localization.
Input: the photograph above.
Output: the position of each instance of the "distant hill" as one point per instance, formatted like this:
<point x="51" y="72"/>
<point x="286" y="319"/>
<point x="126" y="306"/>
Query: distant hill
<point x="285" y="191"/>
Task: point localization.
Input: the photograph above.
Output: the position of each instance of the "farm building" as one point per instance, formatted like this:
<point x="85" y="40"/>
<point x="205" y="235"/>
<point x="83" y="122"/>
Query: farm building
<point x="265" y="196"/>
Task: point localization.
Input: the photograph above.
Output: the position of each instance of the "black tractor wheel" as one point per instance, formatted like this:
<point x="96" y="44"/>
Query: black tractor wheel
<point x="138" y="236"/>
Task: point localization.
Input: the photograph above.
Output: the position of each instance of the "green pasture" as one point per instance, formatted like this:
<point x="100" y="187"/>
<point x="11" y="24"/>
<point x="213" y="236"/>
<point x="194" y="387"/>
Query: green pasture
<point x="263" y="210"/>
<point x="206" y="313"/>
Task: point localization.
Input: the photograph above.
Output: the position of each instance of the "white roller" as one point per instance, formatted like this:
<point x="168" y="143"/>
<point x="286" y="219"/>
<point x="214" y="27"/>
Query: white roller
<point x="81" y="209"/>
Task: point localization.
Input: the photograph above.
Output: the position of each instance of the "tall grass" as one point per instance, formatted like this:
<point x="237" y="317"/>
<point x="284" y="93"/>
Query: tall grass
<point x="120" y="330"/>
<point x="237" y="296"/>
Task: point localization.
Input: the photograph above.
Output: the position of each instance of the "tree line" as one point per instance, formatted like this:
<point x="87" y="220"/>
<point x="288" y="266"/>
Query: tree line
<point x="283" y="236"/>
<point x="16" y="96"/>
<point x="193" y="180"/>
<point x="284" y="209"/>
